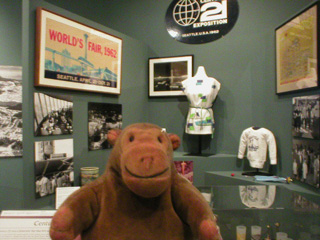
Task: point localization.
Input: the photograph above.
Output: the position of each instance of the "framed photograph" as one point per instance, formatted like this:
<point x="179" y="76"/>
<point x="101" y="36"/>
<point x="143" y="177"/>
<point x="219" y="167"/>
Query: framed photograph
<point x="52" y="114"/>
<point x="71" y="55"/>
<point x="101" y="118"/>
<point x="53" y="166"/>
<point x="306" y="117"/>
<point x="306" y="156"/>
<point x="297" y="52"/>
<point x="11" y="111"/>
<point x="166" y="75"/>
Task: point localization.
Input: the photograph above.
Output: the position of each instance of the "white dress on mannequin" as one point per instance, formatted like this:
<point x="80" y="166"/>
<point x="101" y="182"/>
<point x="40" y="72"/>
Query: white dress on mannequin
<point x="201" y="92"/>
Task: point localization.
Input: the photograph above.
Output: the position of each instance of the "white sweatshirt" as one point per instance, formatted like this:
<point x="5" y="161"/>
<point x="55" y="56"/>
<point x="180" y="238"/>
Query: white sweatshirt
<point x="257" y="142"/>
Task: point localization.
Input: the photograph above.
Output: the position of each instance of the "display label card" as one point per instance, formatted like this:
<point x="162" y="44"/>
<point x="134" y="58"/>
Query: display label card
<point x="27" y="213"/>
<point x="26" y="224"/>
<point x="29" y="228"/>
<point x="62" y="193"/>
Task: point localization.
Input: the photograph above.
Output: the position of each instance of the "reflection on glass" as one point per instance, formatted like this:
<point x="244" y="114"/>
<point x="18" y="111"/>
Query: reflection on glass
<point x="255" y="196"/>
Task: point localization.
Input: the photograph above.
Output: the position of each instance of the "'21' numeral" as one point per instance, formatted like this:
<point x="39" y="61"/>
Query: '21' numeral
<point x="216" y="11"/>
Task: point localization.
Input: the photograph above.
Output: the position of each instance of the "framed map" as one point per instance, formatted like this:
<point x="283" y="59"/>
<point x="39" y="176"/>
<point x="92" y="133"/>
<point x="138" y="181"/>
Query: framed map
<point x="297" y="52"/>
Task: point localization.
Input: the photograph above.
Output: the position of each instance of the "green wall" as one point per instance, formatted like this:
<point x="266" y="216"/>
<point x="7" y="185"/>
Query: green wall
<point x="11" y="169"/>
<point x="243" y="61"/>
<point x="17" y="188"/>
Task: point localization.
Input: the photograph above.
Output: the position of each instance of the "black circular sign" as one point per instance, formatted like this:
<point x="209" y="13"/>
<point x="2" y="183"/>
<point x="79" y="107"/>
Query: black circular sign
<point x="201" y="21"/>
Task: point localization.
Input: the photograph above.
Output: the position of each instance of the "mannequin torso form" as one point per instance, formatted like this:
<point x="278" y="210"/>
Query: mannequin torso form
<point x="201" y="91"/>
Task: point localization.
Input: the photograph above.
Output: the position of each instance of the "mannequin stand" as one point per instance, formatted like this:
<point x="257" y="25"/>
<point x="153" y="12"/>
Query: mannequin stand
<point x="199" y="152"/>
<point x="257" y="172"/>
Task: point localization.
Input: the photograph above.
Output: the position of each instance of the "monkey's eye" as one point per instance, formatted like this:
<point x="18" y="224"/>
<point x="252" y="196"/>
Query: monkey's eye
<point x="131" y="139"/>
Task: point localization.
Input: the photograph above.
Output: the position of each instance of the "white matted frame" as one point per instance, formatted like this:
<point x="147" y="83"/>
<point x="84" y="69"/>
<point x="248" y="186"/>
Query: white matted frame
<point x="166" y="75"/>
<point x="71" y="55"/>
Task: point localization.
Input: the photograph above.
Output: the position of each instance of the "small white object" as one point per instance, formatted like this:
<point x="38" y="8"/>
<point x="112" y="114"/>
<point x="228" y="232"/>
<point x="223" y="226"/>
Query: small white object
<point x="255" y="232"/>
<point x="241" y="232"/>
<point x="207" y="196"/>
<point x="62" y="193"/>
<point x="281" y="236"/>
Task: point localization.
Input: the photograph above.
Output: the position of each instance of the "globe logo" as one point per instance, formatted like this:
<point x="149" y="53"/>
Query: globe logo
<point x="186" y="12"/>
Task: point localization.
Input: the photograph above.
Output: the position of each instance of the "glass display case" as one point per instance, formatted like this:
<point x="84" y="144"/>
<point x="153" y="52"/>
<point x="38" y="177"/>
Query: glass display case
<point x="264" y="212"/>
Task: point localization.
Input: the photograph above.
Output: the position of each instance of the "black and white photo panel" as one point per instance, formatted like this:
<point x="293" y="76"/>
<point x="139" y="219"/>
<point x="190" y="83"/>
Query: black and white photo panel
<point x="53" y="166"/>
<point x="11" y="111"/>
<point x="101" y="118"/>
<point x="306" y="156"/>
<point x="52" y="114"/>
<point x="305" y="117"/>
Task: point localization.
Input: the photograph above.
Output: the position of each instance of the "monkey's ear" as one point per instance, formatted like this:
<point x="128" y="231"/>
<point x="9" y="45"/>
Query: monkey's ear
<point x="175" y="140"/>
<point x="113" y="135"/>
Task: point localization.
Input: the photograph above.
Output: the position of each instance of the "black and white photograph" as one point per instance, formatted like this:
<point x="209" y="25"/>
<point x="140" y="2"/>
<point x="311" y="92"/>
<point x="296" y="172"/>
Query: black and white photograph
<point x="166" y="75"/>
<point x="305" y="117"/>
<point x="53" y="166"/>
<point x="306" y="156"/>
<point x="101" y="118"/>
<point x="11" y="111"/>
<point x="52" y="114"/>
<point x="302" y="204"/>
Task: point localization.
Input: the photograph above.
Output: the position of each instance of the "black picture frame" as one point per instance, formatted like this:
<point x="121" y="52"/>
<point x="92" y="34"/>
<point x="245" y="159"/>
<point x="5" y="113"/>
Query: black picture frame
<point x="167" y="73"/>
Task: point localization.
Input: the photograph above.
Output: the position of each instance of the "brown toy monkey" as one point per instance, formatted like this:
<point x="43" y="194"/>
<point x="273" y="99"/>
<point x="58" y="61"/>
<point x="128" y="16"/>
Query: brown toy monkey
<point x="139" y="197"/>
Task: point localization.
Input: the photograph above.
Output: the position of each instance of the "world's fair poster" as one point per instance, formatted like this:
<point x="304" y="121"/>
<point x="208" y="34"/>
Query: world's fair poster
<point x="71" y="55"/>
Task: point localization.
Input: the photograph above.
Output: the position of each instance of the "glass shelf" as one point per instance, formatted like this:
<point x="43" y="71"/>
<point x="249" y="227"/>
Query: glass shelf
<point x="272" y="207"/>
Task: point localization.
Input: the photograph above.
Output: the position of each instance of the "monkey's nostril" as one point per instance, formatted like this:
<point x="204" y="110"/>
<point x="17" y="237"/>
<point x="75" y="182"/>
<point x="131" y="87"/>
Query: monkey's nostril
<point x="146" y="159"/>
